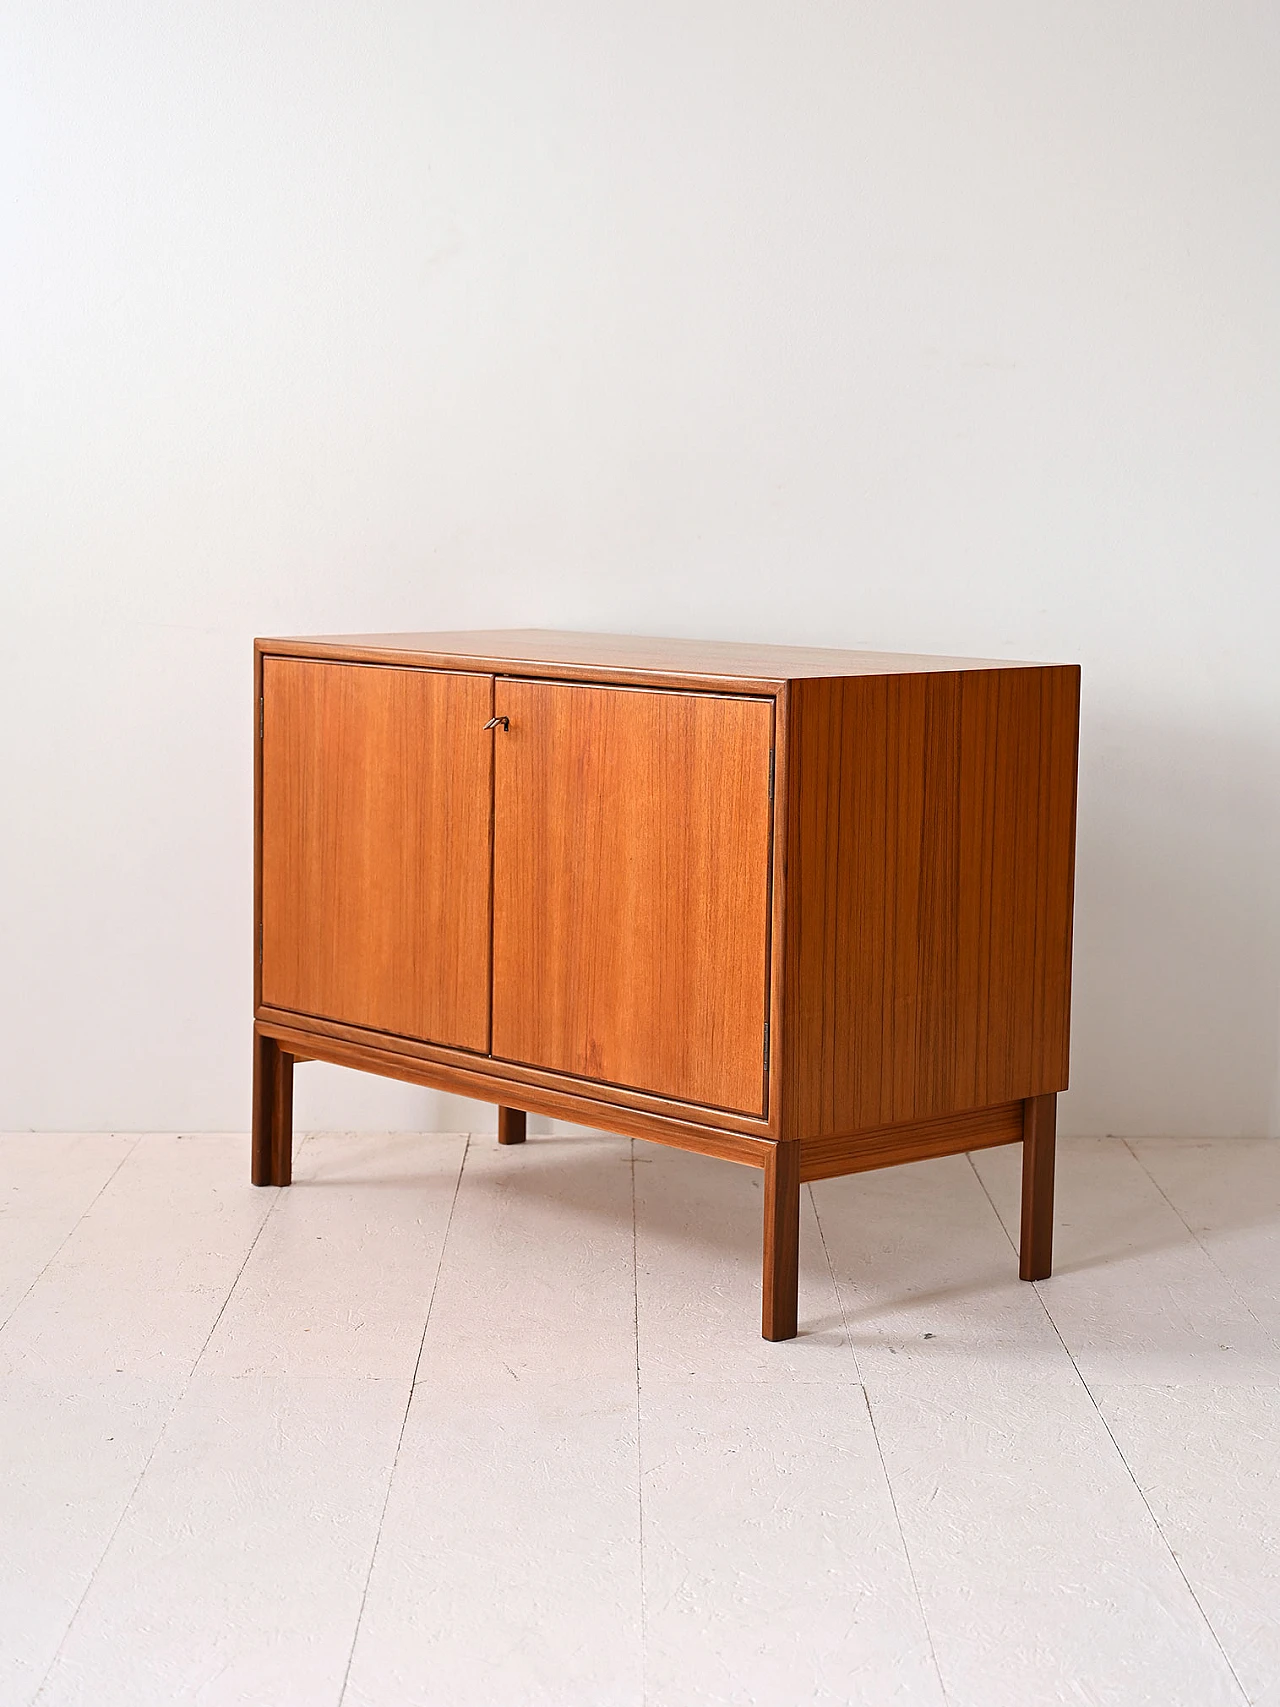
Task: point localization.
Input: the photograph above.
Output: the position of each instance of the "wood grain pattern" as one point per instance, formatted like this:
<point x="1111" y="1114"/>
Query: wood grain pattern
<point x="631" y="888"/>
<point x="913" y="1141"/>
<point x="780" y="1272"/>
<point x="530" y="650"/>
<point x="930" y="864"/>
<point x="564" y="1103"/>
<point x="376" y="791"/>
<point x="1039" y="1142"/>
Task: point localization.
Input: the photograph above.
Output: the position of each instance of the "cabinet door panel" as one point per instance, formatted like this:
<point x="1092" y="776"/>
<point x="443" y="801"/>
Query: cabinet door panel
<point x="376" y="813"/>
<point x="631" y="888"/>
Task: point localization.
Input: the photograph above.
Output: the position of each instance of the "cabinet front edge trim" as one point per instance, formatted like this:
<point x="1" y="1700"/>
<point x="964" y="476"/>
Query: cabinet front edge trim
<point x="599" y="675"/>
<point x="536" y="1099"/>
<point x="599" y="1094"/>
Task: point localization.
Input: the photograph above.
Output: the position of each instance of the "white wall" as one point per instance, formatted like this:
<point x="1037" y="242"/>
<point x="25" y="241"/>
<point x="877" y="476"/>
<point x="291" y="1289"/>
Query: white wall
<point x="941" y="327"/>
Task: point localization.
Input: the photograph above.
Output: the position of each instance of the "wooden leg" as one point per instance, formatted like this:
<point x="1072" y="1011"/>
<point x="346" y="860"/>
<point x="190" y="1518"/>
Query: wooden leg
<point x="272" y="1113"/>
<point x="1039" y="1115"/>
<point x="511" y="1125"/>
<point x="282" y="1119"/>
<point x="781" y="1241"/>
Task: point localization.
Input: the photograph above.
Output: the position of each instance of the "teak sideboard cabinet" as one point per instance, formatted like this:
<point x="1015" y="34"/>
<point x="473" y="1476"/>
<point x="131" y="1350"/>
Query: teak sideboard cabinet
<point x="804" y="910"/>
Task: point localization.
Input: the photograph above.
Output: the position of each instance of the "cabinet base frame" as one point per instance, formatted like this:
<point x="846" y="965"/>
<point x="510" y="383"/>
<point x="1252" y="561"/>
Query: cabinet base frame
<point x="785" y="1163"/>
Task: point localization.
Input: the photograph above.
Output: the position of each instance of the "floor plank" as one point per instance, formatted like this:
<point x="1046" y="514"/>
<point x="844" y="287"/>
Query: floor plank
<point x="1042" y="1574"/>
<point x="237" y="1574"/>
<point x="1206" y="1460"/>
<point x="340" y="1282"/>
<point x="138" y="1286"/>
<point x="1133" y="1294"/>
<point x="47" y="1182"/>
<point x="775" y="1572"/>
<point x="540" y="1277"/>
<point x="607" y="1487"/>
<point x="93" y="1360"/>
<point x="698" y="1242"/>
<point x="1044" y="1579"/>
<point x="508" y="1569"/>
<point x="1227" y="1191"/>
<point x="71" y="1456"/>
<point x="926" y="1276"/>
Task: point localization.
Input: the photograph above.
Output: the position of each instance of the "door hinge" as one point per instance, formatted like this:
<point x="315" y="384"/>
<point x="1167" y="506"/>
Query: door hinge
<point x="262" y="716"/>
<point x="766" y="1046"/>
<point x="771" y="751"/>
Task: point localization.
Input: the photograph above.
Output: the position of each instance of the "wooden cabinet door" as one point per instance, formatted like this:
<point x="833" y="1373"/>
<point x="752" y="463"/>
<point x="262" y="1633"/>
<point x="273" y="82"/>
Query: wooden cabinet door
<point x="376" y="812"/>
<point x="632" y="888"/>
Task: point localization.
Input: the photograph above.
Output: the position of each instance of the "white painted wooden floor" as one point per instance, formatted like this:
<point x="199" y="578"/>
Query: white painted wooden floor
<point x="453" y="1425"/>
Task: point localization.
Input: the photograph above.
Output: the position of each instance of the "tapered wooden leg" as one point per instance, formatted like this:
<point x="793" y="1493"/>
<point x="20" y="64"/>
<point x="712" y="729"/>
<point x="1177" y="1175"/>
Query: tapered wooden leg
<point x="272" y="1113"/>
<point x="1039" y="1125"/>
<point x="511" y="1125"/>
<point x="781" y="1275"/>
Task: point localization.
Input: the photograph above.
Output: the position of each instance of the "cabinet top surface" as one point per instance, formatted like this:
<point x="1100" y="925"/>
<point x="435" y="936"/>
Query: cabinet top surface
<point x="535" y="647"/>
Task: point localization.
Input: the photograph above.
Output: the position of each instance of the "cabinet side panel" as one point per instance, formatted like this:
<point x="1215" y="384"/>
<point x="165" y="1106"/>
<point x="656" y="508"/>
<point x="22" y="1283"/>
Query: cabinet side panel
<point x="930" y="855"/>
<point x="936" y="1066"/>
<point x="375" y="847"/>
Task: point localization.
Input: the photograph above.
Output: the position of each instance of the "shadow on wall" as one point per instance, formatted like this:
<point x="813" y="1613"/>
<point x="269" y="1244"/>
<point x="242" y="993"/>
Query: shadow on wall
<point x="1176" y="999"/>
